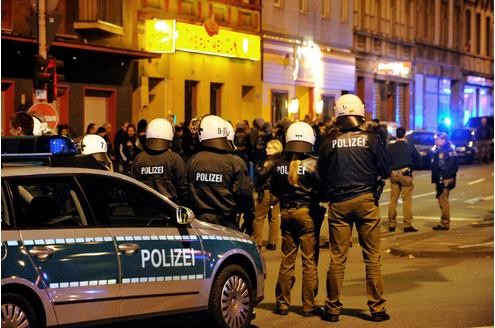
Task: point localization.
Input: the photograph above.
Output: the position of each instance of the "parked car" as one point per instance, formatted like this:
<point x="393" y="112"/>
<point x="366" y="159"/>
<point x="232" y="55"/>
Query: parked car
<point x="423" y="141"/>
<point x="84" y="245"/>
<point x="465" y="144"/>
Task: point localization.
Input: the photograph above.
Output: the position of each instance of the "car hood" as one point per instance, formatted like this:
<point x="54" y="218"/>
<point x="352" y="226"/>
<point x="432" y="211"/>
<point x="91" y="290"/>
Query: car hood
<point x="220" y="230"/>
<point x="423" y="147"/>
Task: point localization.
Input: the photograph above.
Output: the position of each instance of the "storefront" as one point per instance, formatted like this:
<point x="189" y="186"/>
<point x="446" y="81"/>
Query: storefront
<point x="200" y="72"/>
<point x="478" y="97"/>
<point x="303" y="78"/>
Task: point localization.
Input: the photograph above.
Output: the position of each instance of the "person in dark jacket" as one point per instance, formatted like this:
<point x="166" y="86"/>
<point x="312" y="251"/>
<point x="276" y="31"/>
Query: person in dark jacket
<point x="353" y="164"/>
<point x="296" y="183"/>
<point x="216" y="183"/>
<point x="484" y="135"/>
<point x="405" y="158"/>
<point x="267" y="204"/>
<point x="444" y="168"/>
<point x="158" y="166"/>
<point x="129" y="148"/>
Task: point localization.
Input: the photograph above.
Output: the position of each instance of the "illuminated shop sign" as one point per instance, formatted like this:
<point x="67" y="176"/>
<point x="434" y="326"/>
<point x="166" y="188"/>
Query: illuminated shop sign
<point x="478" y="80"/>
<point x="160" y="36"/>
<point x="167" y="36"/>
<point x="194" y="38"/>
<point x="401" y="69"/>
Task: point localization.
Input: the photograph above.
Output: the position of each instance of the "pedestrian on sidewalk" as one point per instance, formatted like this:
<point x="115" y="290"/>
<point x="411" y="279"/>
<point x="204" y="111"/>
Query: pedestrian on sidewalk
<point x="352" y="163"/>
<point x="296" y="183"/>
<point x="444" y="168"/>
<point x="484" y="135"/>
<point x="267" y="204"/>
<point x="404" y="158"/>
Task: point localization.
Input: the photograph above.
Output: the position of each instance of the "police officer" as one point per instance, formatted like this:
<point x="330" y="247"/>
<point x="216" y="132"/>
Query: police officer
<point x="351" y="163"/>
<point x="158" y="166"/>
<point x="444" y="168"/>
<point x="295" y="181"/>
<point x="404" y="158"/>
<point x="216" y="183"/>
<point x="93" y="155"/>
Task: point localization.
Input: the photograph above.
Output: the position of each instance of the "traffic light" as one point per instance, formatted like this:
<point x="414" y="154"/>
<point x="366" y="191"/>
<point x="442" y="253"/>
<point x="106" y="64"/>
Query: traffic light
<point x="53" y="68"/>
<point x="41" y="76"/>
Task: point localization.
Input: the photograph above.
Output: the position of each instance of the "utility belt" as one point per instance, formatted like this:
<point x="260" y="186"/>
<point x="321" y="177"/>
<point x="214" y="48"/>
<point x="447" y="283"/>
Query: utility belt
<point x="289" y="204"/>
<point x="406" y="171"/>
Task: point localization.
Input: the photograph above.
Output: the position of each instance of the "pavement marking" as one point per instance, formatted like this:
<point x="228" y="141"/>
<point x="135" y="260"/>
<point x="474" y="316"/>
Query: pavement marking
<point x="426" y="218"/>
<point x="413" y="197"/>
<point x="476" y="181"/>
<point x="490" y="243"/>
<point x="478" y="199"/>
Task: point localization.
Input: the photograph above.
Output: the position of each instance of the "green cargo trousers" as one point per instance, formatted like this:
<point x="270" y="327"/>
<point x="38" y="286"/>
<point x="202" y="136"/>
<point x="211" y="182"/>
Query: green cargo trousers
<point x="298" y="230"/>
<point x="362" y="212"/>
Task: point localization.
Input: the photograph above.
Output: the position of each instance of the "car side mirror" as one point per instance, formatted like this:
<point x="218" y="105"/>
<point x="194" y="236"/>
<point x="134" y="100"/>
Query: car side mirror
<point x="184" y="215"/>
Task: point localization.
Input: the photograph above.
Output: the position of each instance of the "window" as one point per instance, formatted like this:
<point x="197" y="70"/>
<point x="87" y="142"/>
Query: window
<point x="344" y="11"/>
<point x="118" y="203"/>
<point x="303" y="6"/>
<point x="188" y="7"/>
<point x="478" y="33"/>
<point x="444" y="25"/>
<point x="325" y="8"/>
<point x="47" y="203"/>
<point x="467" y="46"/>
<point x="278" y="3"/>
<point x="488" y="36"/>
<point x="215" y="98"/>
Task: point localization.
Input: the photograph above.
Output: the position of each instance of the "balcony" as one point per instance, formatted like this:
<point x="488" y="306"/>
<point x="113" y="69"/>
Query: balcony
<point x="99" y="15"/>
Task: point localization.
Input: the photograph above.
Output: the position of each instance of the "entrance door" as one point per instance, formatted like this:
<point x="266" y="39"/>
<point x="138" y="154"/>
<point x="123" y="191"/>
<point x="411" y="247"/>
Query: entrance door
<point x="280" y="100"/>
<point x="190" y="100"/>
<point x="99" y="107"/>
<point x="328" y="104"/>
<point x="215" y="98"/>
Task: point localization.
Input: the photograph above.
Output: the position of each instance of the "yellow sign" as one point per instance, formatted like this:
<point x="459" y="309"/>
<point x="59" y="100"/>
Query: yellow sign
<point x="160" y="36"/>
<point x="402" y="69"/>
<point x="194" y="38"/>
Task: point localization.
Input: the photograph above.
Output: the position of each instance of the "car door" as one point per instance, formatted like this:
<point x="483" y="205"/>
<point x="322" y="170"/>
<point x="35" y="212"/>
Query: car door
<point x="161" y="262"/>
<point x="76" y="264"/>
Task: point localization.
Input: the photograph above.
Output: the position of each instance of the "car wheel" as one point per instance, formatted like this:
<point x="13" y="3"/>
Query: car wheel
<point x="17" y="312"/>
<point x="231" y="298"/>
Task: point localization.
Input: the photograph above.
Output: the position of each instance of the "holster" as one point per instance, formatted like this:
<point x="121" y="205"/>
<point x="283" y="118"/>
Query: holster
<point x="378" y="190"/>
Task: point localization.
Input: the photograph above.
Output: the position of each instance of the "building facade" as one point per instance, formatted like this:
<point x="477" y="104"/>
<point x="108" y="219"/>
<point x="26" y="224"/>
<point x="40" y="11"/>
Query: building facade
<point x="424" y="63"/>
<point x="307" y="57"/>
<point x="211" y="65"/>
<point x="96" y="40"/>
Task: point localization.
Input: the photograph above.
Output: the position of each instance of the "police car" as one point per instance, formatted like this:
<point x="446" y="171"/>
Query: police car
<point x="85" y="245"/>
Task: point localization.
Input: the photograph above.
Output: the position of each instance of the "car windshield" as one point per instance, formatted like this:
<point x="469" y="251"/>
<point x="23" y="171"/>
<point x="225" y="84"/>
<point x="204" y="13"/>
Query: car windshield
<point x="421" y="138"/>
<point x="460" y="134"/>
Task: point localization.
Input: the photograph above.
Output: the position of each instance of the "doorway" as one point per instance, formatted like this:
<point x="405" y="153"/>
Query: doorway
<point x="190" y="100"/>
<point x="280" y="101"/>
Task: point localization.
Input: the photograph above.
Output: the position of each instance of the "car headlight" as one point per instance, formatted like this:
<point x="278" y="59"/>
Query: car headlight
<point x="461" y="149"/>
<point x="470" y="144"/>
<point x="423" y="153"/>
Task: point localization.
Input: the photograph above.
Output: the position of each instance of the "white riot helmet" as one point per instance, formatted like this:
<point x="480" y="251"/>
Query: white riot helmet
<point x="231" y="135"/>
<point x="159" y="135"/>
<point x="93" y="144"/>
<point x="213" y="132"/>
<point x="349" y="110"/>
<point x="300" y="138"/>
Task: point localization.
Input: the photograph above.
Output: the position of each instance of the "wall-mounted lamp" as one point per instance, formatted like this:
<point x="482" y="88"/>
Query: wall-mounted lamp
<point x="293" y="106"/>
<point x="319" y="107"/>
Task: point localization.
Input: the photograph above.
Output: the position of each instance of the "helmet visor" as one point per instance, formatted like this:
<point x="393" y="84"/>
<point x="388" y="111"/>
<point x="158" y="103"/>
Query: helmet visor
<point x="349" y="121"/>
<point x="156" y="144"/>
<point x="299" y="147"/>
<point x="218" y="143"/>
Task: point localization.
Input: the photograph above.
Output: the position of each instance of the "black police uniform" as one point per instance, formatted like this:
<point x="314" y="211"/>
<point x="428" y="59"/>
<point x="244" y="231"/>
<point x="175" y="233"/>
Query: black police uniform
<point x="444" y="168"/>
<point x="350" y="163"/>
<point x="301" y="218"/>
<point x="161" y="171"/>
<point x="216" y="185"/>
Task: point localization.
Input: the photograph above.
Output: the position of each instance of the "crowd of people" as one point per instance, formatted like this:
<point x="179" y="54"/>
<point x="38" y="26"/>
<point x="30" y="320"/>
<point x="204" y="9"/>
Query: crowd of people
<point x="292" y="168"/>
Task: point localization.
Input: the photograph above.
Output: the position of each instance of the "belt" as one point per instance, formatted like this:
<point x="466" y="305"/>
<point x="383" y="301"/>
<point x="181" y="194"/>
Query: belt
<point x="289" y="204"/>
<point x="404" y="171"/>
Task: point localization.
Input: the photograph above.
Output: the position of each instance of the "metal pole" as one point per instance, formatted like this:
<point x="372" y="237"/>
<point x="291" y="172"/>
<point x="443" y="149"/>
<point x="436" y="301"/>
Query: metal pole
<point x="42" y="28"/>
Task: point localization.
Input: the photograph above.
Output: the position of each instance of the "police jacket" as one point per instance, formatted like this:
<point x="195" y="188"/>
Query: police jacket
<point x="217" y="182"/>
<point x="265" y="171"/>
<point x="403" y="154"/>
<point x="350" y="163"/>
<point x="444" y="164"/>
<point x="161" y="171"/>
<point x="290" y="196"/>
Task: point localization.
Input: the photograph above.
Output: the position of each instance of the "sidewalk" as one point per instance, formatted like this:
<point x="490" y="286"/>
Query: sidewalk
<point x="470" y="240"/>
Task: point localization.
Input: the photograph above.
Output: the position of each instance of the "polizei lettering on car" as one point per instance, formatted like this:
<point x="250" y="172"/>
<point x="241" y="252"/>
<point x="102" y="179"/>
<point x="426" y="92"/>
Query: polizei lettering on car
<point x="175" y="257"/>
<point x="209" y="177"/>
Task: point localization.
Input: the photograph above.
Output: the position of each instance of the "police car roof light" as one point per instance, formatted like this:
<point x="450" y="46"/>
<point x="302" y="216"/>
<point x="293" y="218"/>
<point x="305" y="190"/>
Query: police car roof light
<point x="37" y="146"/>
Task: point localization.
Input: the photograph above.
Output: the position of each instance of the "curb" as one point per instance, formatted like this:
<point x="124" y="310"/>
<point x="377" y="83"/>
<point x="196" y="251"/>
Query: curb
<point x="412" y="253"/>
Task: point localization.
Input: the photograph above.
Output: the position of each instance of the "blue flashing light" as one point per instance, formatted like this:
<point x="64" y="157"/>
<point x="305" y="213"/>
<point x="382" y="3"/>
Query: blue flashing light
<point x="447" y="121"/>
<point x="61" y="145"/>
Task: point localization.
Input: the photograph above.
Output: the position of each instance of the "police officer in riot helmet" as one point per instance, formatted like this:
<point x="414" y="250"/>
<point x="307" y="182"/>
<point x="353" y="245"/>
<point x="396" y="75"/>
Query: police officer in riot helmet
<point x="296" y="183"/>
<point x="216" y="183"/>
<point x="158" y="166"/>
<point x="353" y="164"/>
